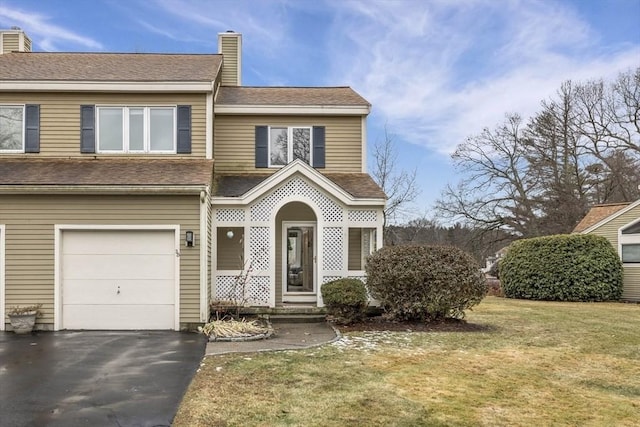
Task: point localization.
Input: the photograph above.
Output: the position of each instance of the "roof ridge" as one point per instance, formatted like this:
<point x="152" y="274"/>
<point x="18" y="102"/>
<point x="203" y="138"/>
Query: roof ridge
<point x="117" y="53"/>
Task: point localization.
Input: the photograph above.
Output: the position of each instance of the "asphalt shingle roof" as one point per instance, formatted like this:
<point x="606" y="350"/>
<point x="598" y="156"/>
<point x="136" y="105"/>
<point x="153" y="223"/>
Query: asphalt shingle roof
<point x="106" y="172"/>
<point x="129" y="67"/>
<point x="247" y="95"/>
<point x="359" y="185"/>
<point x="597" y="214"/>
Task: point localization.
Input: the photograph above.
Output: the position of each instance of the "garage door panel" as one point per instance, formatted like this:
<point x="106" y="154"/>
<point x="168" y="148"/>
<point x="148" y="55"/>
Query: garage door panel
<point x="129" y="317"/>
<point x="124" y="242"/>
<point x="118" y="267"/>
<point x="131" y="292"/>
<point x="141" y="265"/>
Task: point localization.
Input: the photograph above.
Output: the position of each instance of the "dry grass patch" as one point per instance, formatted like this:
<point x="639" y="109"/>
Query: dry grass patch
<point x="534" y="363"/>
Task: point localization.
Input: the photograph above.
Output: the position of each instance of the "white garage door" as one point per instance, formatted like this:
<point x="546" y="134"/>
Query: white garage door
<point x="118" y="279"/>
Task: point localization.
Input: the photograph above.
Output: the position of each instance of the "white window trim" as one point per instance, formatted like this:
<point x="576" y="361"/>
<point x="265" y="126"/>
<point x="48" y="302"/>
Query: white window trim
<point x="146" y="130"/>
<point x="290" y="144"/>
<point x="20" y="151"/>
<point x="628" y="239"/>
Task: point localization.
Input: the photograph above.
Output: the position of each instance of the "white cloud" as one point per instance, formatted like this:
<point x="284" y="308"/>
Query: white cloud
<point x="437" y="72"/>
<point x="47" y="36"/>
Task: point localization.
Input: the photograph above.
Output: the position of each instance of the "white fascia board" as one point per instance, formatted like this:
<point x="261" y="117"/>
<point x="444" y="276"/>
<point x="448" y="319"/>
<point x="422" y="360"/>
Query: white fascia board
<point x="316" y="110"/>
<point x="97" y="86"/>
<point x="288" y="171"/>
<point x="611" y="217"/>
<point x="103" y="189"/>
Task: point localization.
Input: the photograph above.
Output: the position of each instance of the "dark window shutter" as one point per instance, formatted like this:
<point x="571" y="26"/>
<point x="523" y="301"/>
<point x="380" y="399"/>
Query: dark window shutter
<point x="32" y="129"/>
<point x="184" y="129"/>
<point x="87" y="129"/>
<point x="318" y="146"/>
<point x="262" y="146"/>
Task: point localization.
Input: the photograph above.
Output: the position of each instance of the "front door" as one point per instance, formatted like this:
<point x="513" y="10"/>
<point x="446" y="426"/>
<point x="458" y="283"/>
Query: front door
<point x="298" y="258"/>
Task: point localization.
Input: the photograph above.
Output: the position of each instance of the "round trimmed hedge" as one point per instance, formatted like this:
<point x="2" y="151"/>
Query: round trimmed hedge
<point x="346" y="299"/>
<point x="565" y="267"/>
<point x="425" y="283"/>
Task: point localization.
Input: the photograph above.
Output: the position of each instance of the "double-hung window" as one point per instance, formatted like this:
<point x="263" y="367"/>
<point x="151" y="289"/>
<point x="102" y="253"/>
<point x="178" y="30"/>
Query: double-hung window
<point x="12" y="128"/>
<point x="287" y="144"/>
<point x="136" y="129"/>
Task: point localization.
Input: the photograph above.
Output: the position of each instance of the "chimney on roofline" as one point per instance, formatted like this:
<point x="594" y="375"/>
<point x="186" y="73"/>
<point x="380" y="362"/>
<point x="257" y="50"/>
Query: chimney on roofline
<point x="14" y="40"/>
<point x="230" y="46"/>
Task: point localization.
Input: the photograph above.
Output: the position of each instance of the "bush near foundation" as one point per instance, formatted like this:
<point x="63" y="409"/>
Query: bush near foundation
<point x="425" y="283"/>
<point x="346" y="300"/>
<point x="566" y="267"/>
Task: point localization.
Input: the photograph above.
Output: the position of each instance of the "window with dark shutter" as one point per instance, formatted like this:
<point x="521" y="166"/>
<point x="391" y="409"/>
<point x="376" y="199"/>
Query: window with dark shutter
<point x="87" y="129"/>
<point x="318" y="147"/>
<point x="262" y="146"/>
<point x="184" y="129"/>
<point x="32" y="129"/>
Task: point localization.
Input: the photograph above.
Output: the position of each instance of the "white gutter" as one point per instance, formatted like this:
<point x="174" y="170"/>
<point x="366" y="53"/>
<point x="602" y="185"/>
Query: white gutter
<point x="102" y="189"/>
<point x="101" y="86"/>
<point x="321" y="110"/>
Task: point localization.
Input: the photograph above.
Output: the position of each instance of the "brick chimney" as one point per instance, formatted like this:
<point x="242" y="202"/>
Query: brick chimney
<point x="230" y="46"/>
<point x="14" y="40"/>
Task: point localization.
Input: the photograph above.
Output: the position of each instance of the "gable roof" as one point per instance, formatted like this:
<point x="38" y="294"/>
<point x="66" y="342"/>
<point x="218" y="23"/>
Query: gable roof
<point x="597" y="214"/>
<point x="357" y="189"/>
<point x="49" y="173"/>
<point x="303" y="96"/>
<point x="358" y="185"/>
<point x="109" y="67"/>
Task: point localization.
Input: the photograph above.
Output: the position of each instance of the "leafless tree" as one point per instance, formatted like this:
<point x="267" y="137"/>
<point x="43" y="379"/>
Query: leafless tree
<point x="399" y="185"/>
<point x="581" y="148"/>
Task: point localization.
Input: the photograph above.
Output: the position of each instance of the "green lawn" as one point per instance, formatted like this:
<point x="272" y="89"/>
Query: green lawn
<point x="534" y="363"/>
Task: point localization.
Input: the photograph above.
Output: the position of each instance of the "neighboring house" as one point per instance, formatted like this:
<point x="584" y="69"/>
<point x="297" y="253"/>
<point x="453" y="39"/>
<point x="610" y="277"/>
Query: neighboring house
<point x="620" y="224"/>
<point x="113" y="215"/>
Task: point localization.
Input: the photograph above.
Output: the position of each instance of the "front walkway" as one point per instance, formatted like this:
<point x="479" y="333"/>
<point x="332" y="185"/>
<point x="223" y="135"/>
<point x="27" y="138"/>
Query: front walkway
<point x="288" y="336"/>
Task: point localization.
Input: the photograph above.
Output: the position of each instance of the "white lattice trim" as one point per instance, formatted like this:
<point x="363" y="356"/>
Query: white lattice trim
<point x="229" y="215"/>
<point x="327" y="279"/>
<point x="259" y="248"/>
<point x="362" y="216"/>
<point x="332" y="238"/>
<point x="331" y="211"/>
<point x="256" y="291"/>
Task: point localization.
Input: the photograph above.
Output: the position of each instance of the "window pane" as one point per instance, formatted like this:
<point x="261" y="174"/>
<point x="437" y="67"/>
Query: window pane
<point x="631" y="253"/>
<point x="278" y="146"/>
<point x="302" y="144"/>
<point x="633" y="229"/>
<point x="162" y="130"/>
<point x="11" y="128"/>
<point x="110" y="129"/>
<point x="136" y="129"/>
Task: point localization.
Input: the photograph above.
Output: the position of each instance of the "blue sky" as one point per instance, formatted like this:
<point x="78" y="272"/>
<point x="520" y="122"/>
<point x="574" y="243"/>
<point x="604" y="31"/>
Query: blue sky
<point x="436" y="71"/>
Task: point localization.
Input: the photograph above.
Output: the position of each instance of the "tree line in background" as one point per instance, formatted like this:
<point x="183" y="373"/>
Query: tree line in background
<point x="530" y="178"/>
<point x="540" y="177"/>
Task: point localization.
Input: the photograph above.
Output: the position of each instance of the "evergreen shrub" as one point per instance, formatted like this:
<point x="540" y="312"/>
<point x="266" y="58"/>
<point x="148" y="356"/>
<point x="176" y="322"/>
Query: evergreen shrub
<point x="425" y="283"/>
<point x="346" y="300"/>
<point x="565" y="267"/>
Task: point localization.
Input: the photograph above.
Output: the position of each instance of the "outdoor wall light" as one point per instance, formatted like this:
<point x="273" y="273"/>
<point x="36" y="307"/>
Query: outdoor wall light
<point x="189" y="239"/>
<point x="230" y="234"/>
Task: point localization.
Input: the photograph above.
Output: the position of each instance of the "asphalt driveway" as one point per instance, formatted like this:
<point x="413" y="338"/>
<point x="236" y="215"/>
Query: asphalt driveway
<point x="95" y="378"/>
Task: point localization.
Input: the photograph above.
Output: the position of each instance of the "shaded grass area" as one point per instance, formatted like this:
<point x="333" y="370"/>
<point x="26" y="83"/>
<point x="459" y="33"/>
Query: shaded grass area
<point x="532" y="363"/>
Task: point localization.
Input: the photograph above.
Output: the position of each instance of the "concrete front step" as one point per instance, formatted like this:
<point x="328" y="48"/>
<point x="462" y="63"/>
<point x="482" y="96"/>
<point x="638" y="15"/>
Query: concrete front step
<point x="297" y="318"/>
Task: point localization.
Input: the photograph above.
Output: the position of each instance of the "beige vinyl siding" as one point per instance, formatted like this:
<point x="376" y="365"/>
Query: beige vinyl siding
<point x="610" y="228"/>
<point x="355" y="249"/>
<point x="230" y="252"/>
<point x="234" y="147"/>
<point x="631" y="291"/>
<point x="30" y="224"/>
<point x="10" y="42"/>
<point x="294" y="211"/>
<point x="230" y="52"/>
<point x="60" y="119"/>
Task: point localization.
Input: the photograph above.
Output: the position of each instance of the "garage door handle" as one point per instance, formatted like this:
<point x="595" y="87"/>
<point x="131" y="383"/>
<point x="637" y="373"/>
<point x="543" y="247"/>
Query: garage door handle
<point x="118" y="293"/>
